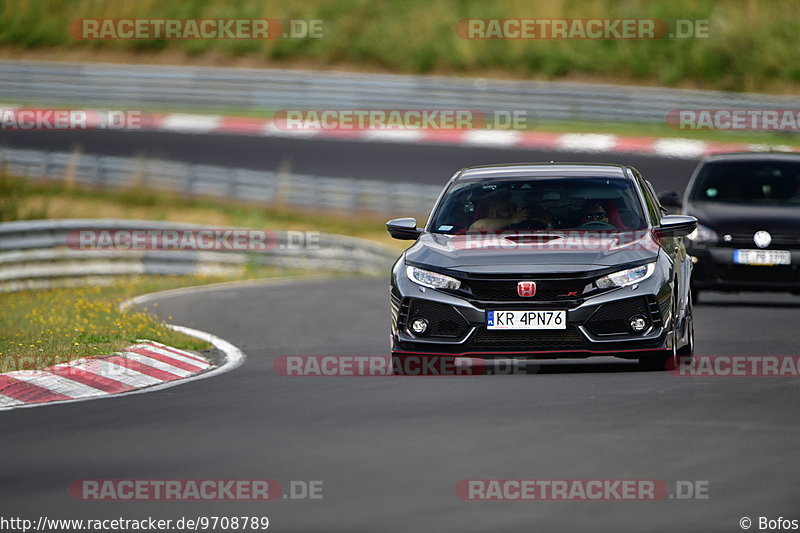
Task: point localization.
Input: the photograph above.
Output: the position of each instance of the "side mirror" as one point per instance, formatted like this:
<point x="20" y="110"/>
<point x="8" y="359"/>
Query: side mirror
<point x="404" y="229"/>
<point x="670" y="199"/>
<point x="676" y="226"/>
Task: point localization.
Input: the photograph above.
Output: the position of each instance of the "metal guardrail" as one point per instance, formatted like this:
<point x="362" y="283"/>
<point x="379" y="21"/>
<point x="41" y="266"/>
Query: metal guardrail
<point x="35" y="254"/>
<point x="206" y="88"/>
<point x="318" y="192"/>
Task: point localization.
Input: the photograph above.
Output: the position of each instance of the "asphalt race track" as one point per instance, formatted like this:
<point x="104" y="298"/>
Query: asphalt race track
<point x="390" y="450"/>
<point x="386" y="161"/>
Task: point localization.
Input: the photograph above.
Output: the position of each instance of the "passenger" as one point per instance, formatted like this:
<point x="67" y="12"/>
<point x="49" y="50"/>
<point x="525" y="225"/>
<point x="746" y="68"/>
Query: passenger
<point x="500" y="214"/>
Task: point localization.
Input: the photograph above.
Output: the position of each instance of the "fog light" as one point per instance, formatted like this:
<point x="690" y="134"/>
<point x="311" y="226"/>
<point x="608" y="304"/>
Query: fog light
<point x="419" y="326"/>
<point x="638" y="323"/>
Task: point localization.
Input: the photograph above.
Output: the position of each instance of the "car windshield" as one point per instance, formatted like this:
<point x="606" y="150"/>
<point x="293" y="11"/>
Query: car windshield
<point x="751" y="182"/>
<point x="539" y="204"/>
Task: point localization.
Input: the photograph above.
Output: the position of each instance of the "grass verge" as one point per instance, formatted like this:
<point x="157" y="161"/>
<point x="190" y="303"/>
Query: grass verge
<point x="44" y="327"/>
<point x="751" y="44"/>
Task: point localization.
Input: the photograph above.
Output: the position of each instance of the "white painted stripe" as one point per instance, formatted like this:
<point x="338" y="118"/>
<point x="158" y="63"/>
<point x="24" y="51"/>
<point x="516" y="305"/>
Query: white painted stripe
<point x="393" y="135"/>
<point x="191" y="360"/>
<point x="109" y="370"/>
<point x="586" y="142"/>
<point x="191" y="123"/>
<point x="55" y="383"/>
<point x="191" y="355"/>
<point x="686" y="148"/>
<point x="155" y="363"/>
<point x="492" y="137"/>
<point x="7" y="401"/>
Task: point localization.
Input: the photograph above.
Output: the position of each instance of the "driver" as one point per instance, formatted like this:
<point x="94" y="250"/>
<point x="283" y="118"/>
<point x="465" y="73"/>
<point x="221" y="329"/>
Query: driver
<point x="593" y="212"/>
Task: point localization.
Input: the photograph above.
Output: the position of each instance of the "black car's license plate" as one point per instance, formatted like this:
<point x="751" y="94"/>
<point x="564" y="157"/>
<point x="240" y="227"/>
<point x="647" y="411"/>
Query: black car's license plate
<point x="526" y="319"/>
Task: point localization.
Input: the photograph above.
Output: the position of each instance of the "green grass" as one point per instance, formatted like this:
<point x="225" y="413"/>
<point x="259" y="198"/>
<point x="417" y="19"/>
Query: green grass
<point x="39" y="328"/>
<point x="752" y="46"/>
<point x="43" y="327"/>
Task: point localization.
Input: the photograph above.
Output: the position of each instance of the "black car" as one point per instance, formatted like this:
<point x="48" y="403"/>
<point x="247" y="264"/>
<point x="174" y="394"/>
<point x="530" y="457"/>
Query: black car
<point x="545" y="261"/>
<point x="748" y="208"/>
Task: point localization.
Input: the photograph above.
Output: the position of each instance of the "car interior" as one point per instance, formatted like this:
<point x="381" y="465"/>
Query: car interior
<point x="551" y="205"/>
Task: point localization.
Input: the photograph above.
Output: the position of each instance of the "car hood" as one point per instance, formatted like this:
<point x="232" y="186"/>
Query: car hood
<point x="746" y="219"/>
<point x="537" y="253"/>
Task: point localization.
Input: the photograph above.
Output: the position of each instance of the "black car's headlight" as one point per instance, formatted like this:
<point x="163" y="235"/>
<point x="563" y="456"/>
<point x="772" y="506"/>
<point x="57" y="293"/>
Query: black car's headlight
<point x="703" y="235"/>
<point x="626" y="277"/>
<point x="434" y="280"/>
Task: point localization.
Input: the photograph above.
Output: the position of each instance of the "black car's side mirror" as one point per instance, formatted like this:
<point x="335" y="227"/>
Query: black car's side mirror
<point x="676" y="226"/>
<point x="670" y="199"/>
<point x="404" y="229"/>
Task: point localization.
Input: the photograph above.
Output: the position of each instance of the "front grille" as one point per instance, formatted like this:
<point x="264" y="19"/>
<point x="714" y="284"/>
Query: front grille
<point x="443" y="319"/>
<point x="527" y="340"/>
<point x="758" y="274"/>
<point x="613" y="318"/>
<point x="744" y="240"/>
<point x="506" y="290"/>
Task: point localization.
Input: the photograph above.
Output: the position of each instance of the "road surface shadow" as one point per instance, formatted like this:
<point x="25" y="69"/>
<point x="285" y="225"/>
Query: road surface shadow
<point x="559" y="367"/>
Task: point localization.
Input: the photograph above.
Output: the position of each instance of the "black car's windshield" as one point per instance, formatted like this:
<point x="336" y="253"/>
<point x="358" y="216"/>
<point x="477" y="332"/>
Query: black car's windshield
<point x="751" y="182"/>
<point x="539" y="204"/>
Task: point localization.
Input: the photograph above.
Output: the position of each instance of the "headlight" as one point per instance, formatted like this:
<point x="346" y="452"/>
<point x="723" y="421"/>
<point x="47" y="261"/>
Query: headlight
<point x="430" y="279"/>
<point x="626" y="277"/>
<point x="703" y="235"/>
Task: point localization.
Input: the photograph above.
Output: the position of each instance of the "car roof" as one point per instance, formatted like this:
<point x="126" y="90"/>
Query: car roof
<point x="543" y="170"/>
<point x="753" y="156"/>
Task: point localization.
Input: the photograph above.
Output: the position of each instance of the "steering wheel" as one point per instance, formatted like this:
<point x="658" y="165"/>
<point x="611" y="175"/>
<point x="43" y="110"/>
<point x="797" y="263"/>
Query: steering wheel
<point x="596" y="224"/>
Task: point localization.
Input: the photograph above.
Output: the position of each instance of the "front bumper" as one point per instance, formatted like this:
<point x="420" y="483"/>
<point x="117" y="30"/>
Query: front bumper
<point x="595" y="326"/>
<point x="714" y="269"/>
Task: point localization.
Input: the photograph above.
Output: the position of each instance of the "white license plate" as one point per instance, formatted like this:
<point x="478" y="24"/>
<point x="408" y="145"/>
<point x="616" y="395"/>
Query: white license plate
<point x="762" y="257"/>
<point x="526" y="320"/>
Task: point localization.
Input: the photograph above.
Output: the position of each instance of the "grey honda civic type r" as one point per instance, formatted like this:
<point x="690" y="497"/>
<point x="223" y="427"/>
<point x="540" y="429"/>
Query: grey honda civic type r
<point x="543" y="261"/>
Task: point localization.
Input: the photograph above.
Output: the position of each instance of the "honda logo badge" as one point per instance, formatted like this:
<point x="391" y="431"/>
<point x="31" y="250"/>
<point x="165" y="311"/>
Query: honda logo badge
<point x="526" y="289"/>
